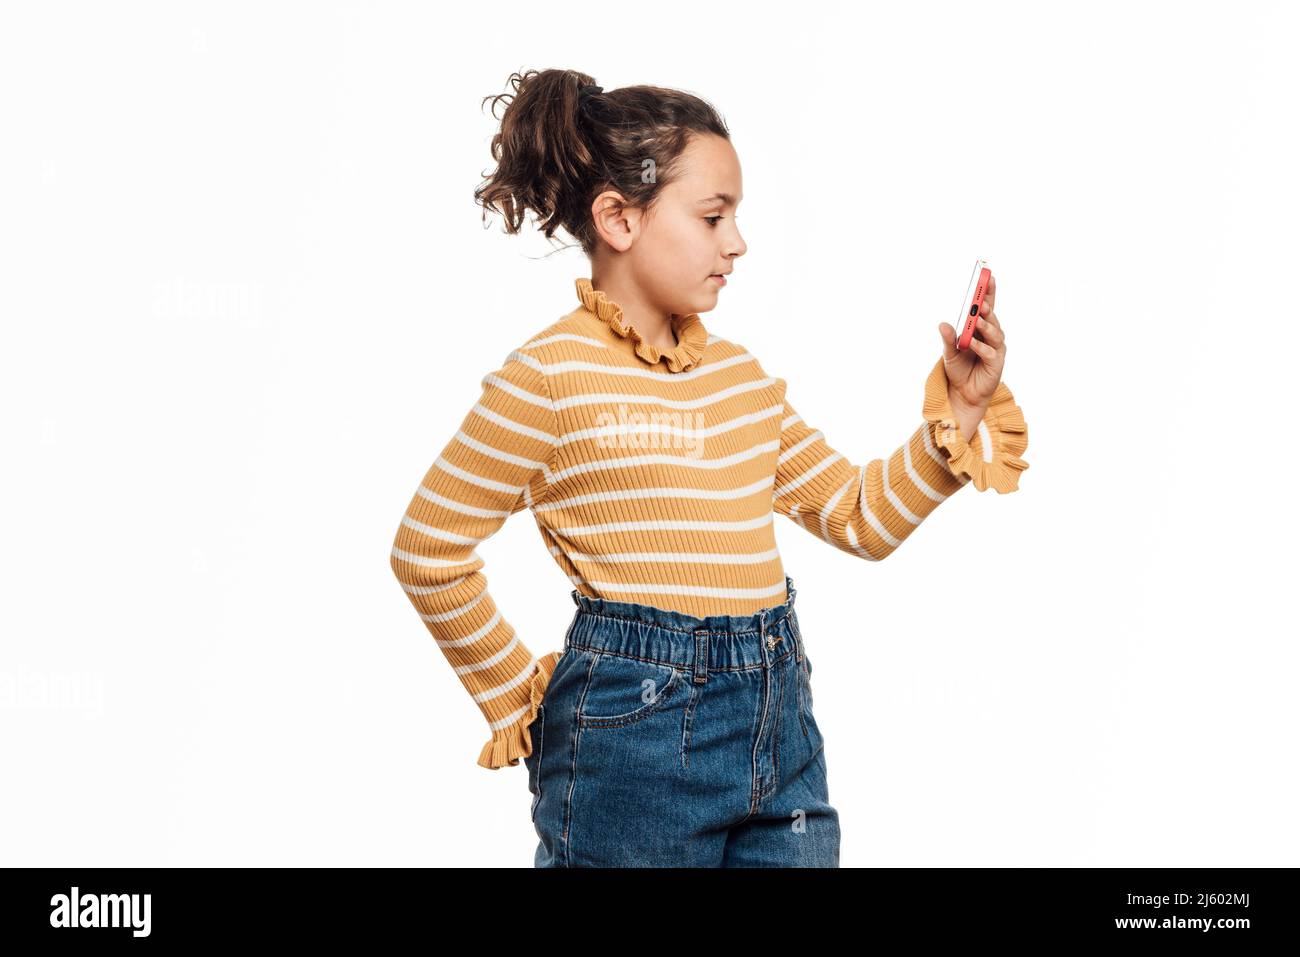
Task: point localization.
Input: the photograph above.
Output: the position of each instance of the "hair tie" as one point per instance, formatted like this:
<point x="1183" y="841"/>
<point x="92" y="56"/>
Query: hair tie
<point x="590" y="89"/>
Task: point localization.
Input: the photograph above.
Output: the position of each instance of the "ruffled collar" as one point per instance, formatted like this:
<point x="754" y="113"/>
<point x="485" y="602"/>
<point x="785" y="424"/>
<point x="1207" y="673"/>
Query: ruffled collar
<point x="692" y="337"/>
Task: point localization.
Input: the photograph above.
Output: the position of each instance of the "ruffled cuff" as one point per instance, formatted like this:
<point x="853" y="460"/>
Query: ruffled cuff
<point x="510" y="744"/>
<point x="991" y="458"/>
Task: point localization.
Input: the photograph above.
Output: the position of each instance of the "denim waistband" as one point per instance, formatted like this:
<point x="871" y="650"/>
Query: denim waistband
<point x="674" y="637"/>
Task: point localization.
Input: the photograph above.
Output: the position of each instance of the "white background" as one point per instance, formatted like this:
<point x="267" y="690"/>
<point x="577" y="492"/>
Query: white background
<point x="247" y="298"/>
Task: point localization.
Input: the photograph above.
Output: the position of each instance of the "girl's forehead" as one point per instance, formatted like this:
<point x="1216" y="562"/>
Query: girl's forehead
<point x="713" y="159"/>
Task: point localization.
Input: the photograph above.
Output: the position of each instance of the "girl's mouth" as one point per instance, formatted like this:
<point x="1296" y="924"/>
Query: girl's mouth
<point x="720" y="280"/>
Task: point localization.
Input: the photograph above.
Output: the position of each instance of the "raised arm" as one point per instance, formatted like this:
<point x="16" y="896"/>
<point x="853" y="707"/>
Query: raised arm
<point x="498" y="463"/>
<point x="868" y="510"/>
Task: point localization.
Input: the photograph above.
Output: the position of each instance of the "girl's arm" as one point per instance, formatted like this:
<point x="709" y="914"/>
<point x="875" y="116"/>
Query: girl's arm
<point x="869" y="510"/>
<point x="498" y="463"/>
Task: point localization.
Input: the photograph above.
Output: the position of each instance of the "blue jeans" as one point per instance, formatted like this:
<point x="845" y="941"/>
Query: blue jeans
<point x="666" y="740"/>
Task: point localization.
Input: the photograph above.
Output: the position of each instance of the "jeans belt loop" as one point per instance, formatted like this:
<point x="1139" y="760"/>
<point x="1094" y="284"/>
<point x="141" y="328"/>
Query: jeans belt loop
<point x="701" y="673"/>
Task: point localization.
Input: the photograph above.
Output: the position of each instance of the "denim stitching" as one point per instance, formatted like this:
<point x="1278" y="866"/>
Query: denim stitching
<point x="567" y="817"/>
<point x="776" y="738"/>
<point x="756" y="786"/>
<point x="687" y="723"/>
<point x="682" y="631"/>
<point x="799" y="667"/>
<point x="537" y="763"/>
<point x="633" y="717"/>
<point x="597" y="650"/>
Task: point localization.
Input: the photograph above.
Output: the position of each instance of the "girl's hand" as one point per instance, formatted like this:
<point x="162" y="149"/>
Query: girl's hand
<point x="974" y="373"/>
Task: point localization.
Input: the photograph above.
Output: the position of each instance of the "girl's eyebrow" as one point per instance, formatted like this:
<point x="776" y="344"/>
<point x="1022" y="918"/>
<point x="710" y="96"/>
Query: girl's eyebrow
<point x="725" y="197"/>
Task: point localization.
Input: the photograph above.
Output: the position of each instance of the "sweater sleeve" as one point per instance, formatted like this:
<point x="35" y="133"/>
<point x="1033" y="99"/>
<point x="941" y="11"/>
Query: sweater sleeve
<point x="868" y="510"/>
<point x="498" y="463"/>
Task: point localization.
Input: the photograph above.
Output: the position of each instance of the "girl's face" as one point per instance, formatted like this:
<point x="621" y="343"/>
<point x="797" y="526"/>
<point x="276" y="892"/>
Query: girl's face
<point x="689" y="235"/>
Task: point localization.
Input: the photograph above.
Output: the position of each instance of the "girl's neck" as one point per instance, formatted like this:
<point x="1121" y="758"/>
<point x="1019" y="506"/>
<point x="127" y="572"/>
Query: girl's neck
<point x="654" y="325"/>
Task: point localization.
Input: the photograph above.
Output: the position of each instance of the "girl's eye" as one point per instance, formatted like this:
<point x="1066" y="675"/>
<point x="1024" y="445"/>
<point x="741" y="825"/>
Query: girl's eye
<point x="707" y="218"/>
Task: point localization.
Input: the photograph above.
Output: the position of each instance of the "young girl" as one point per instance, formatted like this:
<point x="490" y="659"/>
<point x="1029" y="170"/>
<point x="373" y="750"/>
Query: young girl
<point x="676" y="726"/>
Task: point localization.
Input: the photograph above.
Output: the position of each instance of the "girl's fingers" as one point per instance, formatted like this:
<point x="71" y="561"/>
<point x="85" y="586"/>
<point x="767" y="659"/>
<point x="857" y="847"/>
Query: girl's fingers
<point x="992" y="320"/>
<point x="984" y="350"/>
<point x="991" y="293"/>
<point x="991" y="332"/>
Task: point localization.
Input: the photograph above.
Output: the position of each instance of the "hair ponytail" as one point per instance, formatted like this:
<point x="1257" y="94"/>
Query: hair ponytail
<point x="563" y="141"/>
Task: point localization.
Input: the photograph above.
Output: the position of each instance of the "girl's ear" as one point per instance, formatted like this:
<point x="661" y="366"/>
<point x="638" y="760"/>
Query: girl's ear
<point x="614" y="220"/>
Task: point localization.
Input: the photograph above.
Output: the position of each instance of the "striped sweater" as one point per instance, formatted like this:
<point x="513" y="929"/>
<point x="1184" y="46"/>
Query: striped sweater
<point x="654" y="477"/>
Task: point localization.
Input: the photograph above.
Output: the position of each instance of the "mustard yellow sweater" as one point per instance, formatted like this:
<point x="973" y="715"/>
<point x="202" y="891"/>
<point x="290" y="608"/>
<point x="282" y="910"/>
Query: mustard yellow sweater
<point x="653" y="478"/>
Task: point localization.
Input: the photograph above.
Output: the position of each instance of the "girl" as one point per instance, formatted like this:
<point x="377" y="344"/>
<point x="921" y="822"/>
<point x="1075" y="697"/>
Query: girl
<point x="676" y="726"/>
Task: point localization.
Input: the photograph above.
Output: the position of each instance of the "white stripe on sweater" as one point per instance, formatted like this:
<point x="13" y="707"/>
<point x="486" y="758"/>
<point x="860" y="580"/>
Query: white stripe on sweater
<point x="727" y="461"/>
<point x="614" y="495"/>
<point x="492" y="451"/>
<point x="439" y="533"/>
<point x="576" y="365"/>
<point x="497" y="419"/>
<point x="461" y="507"/>
<point x="478" y="480"/>
<point x="858" y="549"/>
<point x="870" y="516"/>
<point x="892" y="498"/>
<point x="431" y="589"/>
<point x="458" y="611"/>
<point x="699" y="591"/>
<point x="749" y="418"/>
<point x="525" y="675"/>
<point x="830" y="507"/>
<point x="491" y="660"/>
<point x="561" y="337"/>
<point x="473" y="636"/>
<point x="529" y="397"/>
<point x="428" y="562"/>
<point x="601" y="398"/>
<point x="810" y="473"/>
<point x="664" y="525"/>
<point x="696" y="558"/>
<point x="932" y="494"/>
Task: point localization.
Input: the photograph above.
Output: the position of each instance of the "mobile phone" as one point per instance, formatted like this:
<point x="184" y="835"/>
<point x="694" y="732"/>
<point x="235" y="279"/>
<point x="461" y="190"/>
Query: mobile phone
<point x="971" y="302"/>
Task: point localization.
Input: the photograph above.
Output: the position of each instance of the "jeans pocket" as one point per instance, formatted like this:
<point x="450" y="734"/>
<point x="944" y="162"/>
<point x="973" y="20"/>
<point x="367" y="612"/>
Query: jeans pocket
<point x="623" y="691"/>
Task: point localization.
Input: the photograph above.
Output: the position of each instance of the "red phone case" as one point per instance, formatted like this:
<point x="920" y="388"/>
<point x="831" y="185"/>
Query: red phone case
<point x="973" y="301"/>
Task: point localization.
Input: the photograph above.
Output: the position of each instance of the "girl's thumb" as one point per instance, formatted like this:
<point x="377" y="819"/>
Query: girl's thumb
<point x="949" y="336"/>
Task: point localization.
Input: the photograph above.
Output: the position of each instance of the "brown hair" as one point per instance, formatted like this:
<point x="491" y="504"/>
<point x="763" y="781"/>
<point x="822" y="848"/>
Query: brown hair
<point x="563" y="141"/>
